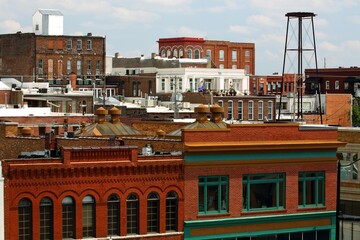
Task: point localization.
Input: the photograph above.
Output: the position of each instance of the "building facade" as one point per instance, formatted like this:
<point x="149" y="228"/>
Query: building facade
<point x="260" y="181"/>
<point x="93" y="193"/>
<point x="221" y="54"/>
<point x="57" y="59"/>
<point x="333" y="80"/>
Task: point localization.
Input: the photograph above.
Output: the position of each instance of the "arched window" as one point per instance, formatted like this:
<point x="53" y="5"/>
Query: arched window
<point x="189" y="53"/>
<point x="162" y="53"/>
<point x="122" y="88"/>
<point x="68" y="218"/>
<point x="181" y="53"/>
<point x="197" y="54"/>
<point x="46" y="218"/>
<point x="168" y="53"/>
<point x="88" y="216"/>
<point x="139" y="89"/>
<point x="113" y="205"/>
<point x="132" y="214"/>
<point x="153" y="205"/>
<point x="134" y="89"/>
<point x="175" y="53"/>
<point x="150" y="87"/>
<point x="171" y="211"/>
<point x="25" y="219"/>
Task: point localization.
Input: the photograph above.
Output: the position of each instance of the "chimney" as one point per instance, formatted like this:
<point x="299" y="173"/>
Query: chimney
<point x="115" y="113"/>
<point x="217" y="113"/>
<point x="101" y="112"/>
<point x="202" y="112"/>
<point x="26" y="131"/>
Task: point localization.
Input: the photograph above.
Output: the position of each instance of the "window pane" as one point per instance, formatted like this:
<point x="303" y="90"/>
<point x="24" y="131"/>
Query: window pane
<point x="171" y="211"/>
<point x="153" y="213"/>
<point x="68" y="218"/>
<point x="113" y="215"/>
<point x="88" y="216"/>
<point x="132" y="212"/>
<point x="25" y="219"/>
<point x="46" y="219"/>
<point x="213" y="194"/>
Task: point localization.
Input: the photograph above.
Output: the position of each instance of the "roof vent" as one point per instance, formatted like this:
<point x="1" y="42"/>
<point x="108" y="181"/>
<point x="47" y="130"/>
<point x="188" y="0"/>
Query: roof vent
<point x="101" y="112"/>
<point x="202" y="112"/>
<point x="115" y="113"/>
<point x="216" y="113"/>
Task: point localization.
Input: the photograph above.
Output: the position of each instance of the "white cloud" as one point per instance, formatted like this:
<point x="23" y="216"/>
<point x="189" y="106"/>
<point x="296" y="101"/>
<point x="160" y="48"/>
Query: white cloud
<point x="327" y="46"/>
<point x="352" y="45"/>
<point x="10" y="26"/>
<point x="261" y="20"/>
<point x="239" y="29"/>
<point x="186" y="32"/>
<point x="134" y="15"/>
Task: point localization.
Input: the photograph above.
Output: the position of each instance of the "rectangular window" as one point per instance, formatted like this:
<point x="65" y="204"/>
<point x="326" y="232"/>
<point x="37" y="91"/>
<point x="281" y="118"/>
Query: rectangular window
<point x="263" y="192"/>
<point x="337" y="85"/>
<point x="208" y="54"/>
<point x="311" y="189"/>
<point x="221" y="55"/>
<point x="98" y="65"/>
<point x="162" y="84"/>
<point x="88" y="44"/>
<point x="260" y="110"/>
<point x="79" y="45"/>
<point x="78" y="68"/>
<point x="68" y="66"/>
<point x="230" y="110"/>
<point x="346" y="85"/>
<point x="251" y="110"/>
<point x="220" y="102"/>
<point x="240" y="110"/>
<point x="247" y="53"/>
<point x="234" y="55"/>
<point x="270" y="110"/>
<point x="213" y="194"/>
<point x="327" y="85"/>
<point x="69" y="44"/>
<point x="40" y="68"/>
<point x="88" y="67"/>
<point x="171" y="84"/>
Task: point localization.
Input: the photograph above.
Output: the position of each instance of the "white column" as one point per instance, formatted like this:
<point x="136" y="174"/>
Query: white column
<point x="2" y="209"/>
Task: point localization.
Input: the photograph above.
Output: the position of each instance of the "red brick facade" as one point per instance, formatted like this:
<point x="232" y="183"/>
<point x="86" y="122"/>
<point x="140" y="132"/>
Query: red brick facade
<point x="222" y="54"/>
<point x="98" y="172"/>
<point x="31" y="57"/>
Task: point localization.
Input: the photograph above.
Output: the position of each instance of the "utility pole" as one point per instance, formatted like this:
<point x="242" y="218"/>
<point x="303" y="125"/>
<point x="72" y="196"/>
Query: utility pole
<point x="176" y="109"/>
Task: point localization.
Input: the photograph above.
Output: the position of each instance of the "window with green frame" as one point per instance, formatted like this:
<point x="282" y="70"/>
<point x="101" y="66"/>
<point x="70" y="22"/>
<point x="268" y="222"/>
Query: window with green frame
<point x="311" y="189"/>
<point x="213" y="194"/>
<point x="263" y="192"/>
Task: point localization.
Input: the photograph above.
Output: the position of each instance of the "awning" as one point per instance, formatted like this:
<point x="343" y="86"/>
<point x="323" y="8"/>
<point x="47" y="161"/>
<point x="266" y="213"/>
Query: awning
<point x="352" y="79"/>
<point x="313" y="80"/>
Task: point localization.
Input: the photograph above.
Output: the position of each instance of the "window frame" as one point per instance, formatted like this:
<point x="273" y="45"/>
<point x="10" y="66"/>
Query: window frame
<point x="205" y="183"/>
<point x="68" y="213"/>
<point x="251" y="110"/>
<point x="318" y="179"/>
<point x="113" y="215"/>
<point x="171" y="214"/>
<point x="266" y="178"/>
<point x="270" y="107"/>
<point x="46" y="218"/>
<point x="25" y="215"/>
<point x="132" y="213"/>
<point x="78" y="44"/>
<point x="153" y="210"/>
<point x="89" y="216"/>
<point x="230" y="109"/>
<point x="260" y="110"/>
<point x="221" y="55"/>
<point x="88" y="44"/>
<point x="240" y="109"/>
<point x="234" y="55"/>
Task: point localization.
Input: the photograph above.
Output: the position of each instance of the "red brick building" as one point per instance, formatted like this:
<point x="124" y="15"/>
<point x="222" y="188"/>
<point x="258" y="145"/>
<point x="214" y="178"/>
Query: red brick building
<point x="260" y="181"/>
<point x="222" y="54"/>
<point x="57" y="59"/>
<point x="333" y="80"/>
<point x="94" y="193"/>
<point x="271" y="84"/>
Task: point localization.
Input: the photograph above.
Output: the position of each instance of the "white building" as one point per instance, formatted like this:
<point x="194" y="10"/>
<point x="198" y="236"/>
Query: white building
<point x="195" y="79"/>
<point x="48" y="22"/>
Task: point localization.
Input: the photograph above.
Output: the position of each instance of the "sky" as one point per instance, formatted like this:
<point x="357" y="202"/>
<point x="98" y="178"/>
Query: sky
<point x="132" y="27"/>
